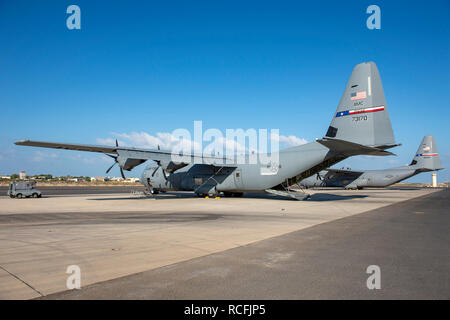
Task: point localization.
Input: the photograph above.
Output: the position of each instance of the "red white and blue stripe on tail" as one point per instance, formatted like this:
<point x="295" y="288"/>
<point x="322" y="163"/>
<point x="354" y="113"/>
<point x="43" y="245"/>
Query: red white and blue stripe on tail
<point x="426" y="154"/>
<point x="358" y="111"/>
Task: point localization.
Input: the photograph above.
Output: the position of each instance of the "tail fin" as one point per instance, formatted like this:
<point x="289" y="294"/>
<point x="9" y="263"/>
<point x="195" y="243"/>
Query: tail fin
<point x="362" y="115"/>
<point x="427" y="156"/>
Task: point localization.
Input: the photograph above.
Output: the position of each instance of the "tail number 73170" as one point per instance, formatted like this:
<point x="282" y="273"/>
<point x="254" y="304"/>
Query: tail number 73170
<point x="359" y="118"/>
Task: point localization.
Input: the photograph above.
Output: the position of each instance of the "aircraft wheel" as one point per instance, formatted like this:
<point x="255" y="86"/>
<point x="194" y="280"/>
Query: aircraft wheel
<point x="227" y="194"/>
<point x="35" y="195"/>
<point x="360" y="188"/>
<point x="19" y="196"/>
<point x="154" y="191"/>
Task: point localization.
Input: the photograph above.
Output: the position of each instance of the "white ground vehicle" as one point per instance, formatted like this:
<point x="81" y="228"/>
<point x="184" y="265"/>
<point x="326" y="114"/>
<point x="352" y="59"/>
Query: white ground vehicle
<point x="22" y="189"/>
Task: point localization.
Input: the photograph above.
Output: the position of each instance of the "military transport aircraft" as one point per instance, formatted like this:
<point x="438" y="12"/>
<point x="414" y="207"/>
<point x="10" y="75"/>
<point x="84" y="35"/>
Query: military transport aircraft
<point x="360" y="126"/>
<point x="426" y="159"/>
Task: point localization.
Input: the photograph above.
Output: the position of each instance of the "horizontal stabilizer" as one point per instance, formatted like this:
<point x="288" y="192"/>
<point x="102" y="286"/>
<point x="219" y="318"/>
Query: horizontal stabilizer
<point x="352" y="149"/>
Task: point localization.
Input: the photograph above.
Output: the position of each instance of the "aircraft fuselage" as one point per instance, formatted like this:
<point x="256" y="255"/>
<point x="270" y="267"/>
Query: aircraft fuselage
<point x="241" y="177"/>
<point x="370" y="178"/>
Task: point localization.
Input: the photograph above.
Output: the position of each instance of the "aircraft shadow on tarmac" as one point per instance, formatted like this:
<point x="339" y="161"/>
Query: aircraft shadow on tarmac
<point x="165" y="196"/>
<point x="173" y="196"/>
<point x="404" y="188"/>
<point x="262" y="196"/>
<point x="333" y="197"/>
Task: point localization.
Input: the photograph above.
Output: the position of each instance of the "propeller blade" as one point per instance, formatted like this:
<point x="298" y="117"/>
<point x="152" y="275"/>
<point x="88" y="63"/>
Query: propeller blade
<point x="116" y="161"/>
<point x="109" y="169"/>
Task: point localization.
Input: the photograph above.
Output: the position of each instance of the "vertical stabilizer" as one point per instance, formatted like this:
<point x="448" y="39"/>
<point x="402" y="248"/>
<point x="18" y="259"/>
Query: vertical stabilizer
<point x="427" y="156"/>
<point x="362" y="115"/>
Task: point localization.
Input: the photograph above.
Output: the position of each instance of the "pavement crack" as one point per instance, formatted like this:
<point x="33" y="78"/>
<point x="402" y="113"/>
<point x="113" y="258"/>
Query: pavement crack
<point x="24" y="282"/>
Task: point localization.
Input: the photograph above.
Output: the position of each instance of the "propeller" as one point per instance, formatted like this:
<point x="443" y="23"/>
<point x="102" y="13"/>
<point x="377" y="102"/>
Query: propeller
<point x="115" y="162"/>
<point x="319" y="177"/>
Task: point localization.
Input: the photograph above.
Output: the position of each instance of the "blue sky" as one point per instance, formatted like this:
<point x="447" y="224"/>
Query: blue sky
<point x="149" y="67"/>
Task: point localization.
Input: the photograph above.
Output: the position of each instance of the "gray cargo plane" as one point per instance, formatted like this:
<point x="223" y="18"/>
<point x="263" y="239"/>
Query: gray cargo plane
<point x="360" y="126"/>
<point x="426" y="159"/>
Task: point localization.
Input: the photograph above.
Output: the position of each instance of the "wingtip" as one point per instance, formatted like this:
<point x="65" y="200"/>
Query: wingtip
<point x="20" y="142"/>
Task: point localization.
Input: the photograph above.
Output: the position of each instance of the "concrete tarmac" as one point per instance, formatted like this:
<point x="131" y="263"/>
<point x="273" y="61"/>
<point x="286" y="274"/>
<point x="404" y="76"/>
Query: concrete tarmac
<point x="409" y="241"/>
<point x="77" y="190"/>
<point x="135" y="247"/>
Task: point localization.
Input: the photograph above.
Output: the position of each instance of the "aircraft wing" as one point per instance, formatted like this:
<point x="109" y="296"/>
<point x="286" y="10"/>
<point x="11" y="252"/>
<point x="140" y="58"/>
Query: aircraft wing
<point x="67" y="146"/>
<point x="131" y="156"/>
<point x="336" y="173"/>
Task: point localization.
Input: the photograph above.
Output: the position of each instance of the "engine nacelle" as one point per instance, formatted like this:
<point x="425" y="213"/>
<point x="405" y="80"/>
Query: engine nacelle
<point x="126" y="161"/>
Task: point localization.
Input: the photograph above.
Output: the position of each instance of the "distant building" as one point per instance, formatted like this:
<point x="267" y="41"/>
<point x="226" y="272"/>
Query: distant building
<point x="117" y="179"/>
<point x="99" y="179"/>
<point x="23" y="174"/>
<point x="5" y="177"/>
<point x="132" y="180"/>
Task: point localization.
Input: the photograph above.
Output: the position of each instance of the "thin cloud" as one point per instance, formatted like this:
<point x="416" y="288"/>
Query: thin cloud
<point x="290" y="141"/>
<point x="39" y="156"/>
<point x="167" y="141"/>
